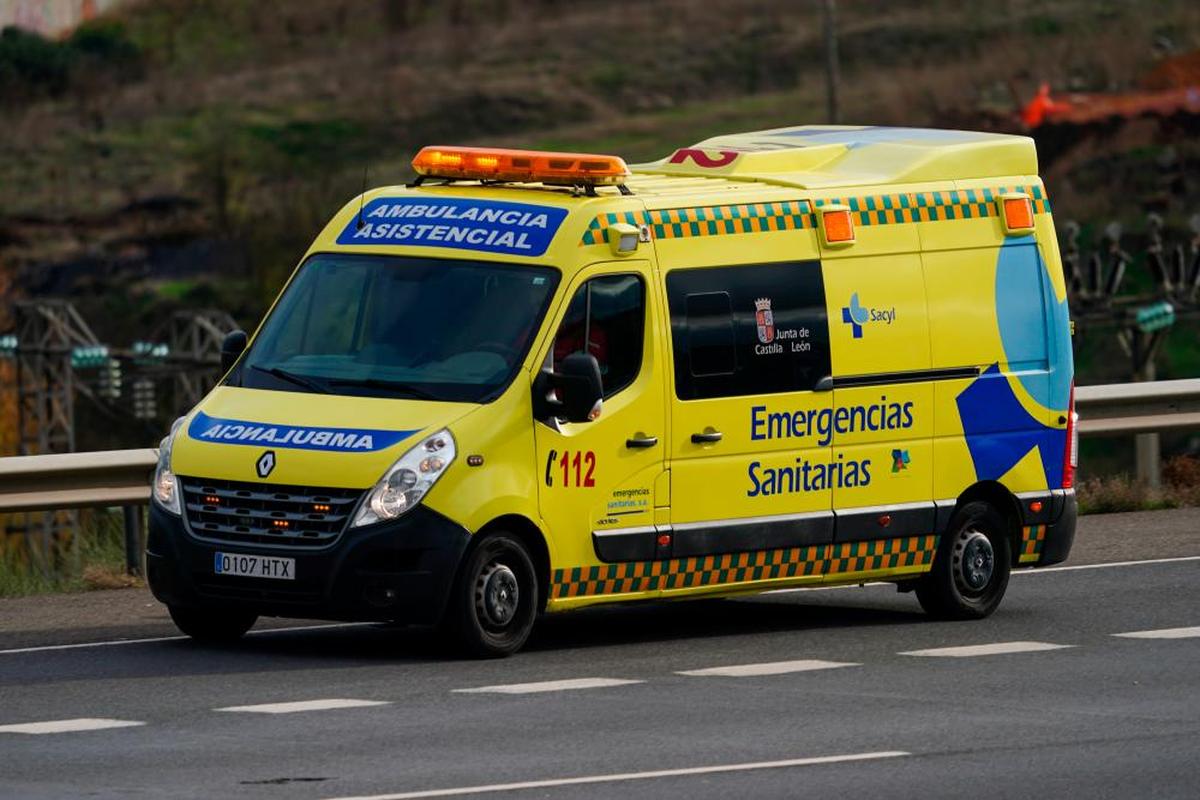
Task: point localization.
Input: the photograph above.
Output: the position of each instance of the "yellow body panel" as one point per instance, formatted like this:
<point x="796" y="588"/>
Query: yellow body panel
<point x="930" y="267"/>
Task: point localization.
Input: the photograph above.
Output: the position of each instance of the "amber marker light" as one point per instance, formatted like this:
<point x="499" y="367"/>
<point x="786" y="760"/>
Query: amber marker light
<point x="1017" y="213"/>
<point x="837" y="225"/>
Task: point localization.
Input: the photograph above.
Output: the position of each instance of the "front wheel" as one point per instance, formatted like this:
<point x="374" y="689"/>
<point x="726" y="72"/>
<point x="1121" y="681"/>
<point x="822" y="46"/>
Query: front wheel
<point x="211" y="624"/>
<point x="970" y="571"/>
<point x="495" y="599"/>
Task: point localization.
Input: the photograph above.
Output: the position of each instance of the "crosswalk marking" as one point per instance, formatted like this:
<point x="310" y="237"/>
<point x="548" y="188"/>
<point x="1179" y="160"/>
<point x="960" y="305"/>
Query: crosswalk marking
<point x="549" y="686"/>
<point x="304" y="705"/>
<point x="69" y="725"/>
<point x="1162" y="633"/>
<point x="767" y="668"/>
<point x="998" y="648"/>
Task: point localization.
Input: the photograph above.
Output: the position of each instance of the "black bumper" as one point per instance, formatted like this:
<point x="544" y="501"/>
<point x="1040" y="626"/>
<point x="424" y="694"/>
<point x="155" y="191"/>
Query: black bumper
<point x="395" y="571"/>
<point x="1060" y="533"/>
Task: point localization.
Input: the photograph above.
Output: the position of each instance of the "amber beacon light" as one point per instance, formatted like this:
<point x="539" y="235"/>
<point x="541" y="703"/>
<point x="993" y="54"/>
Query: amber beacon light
<point x="490" y="164"/>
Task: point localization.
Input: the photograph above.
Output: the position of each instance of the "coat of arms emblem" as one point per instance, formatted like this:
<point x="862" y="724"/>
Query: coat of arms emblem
<point x="764" y="320"/>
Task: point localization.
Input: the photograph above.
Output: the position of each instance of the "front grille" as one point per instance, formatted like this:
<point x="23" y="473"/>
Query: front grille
<point x="260" y="514"/>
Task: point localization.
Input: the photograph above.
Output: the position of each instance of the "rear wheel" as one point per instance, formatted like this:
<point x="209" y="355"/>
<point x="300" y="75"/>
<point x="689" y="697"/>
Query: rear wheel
<point x="971" y="569"/>
<point x="495" y="599"/>
<point x="211" y="624"/>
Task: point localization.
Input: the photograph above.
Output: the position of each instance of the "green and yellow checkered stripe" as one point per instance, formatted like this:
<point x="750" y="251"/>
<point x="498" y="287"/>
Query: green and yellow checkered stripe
<point x="680" y="223"/>
<point x="733" y="568"/>
<point x="1032" y="539"/>
<point x="884" y="209"/>
<point x="933" y="206"/>
<point x="881" y="554"/>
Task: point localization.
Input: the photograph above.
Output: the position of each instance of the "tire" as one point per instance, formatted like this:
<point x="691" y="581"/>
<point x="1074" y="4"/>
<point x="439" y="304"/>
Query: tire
<point x="970" y="571"/>
<point x="495" y="599"/>
<point x="211" y="624"/>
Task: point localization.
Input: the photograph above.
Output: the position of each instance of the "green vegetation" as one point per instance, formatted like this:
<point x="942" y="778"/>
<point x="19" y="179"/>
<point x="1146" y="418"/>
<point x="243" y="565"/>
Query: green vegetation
<point x="32" y="67"/>
<point x="1106" y="495"/>
<point x="97" y="562"/>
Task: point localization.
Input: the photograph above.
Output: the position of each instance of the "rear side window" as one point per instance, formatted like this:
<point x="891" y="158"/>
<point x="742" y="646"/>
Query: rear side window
<point x="749" y="329"/>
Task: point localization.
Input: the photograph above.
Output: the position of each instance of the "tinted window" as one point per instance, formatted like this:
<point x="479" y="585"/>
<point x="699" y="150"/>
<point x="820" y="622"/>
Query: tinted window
<point x="608" y="313"/>
<point x="753" y="329"/>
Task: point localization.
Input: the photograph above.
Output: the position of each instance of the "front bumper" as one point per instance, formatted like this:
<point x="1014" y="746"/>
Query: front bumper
<point x="394" y="571"/>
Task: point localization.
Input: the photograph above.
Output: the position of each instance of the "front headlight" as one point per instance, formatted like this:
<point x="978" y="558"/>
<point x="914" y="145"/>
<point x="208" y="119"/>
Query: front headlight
<point x="407" y="481"/>
<point x="165" y="489"/>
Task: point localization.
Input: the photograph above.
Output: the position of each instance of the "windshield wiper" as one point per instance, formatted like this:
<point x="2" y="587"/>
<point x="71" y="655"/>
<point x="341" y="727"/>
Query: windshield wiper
<point x="292" y="377"/>
<point x="382" y="383"/>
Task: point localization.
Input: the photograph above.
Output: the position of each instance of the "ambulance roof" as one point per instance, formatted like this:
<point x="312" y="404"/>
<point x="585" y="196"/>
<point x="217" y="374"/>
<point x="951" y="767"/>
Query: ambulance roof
<point x="827" y="156"/>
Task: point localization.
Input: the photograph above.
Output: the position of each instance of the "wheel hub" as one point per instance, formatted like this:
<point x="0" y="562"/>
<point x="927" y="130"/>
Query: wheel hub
<point x="499" y="595"/>
<point x="975" y="561"/>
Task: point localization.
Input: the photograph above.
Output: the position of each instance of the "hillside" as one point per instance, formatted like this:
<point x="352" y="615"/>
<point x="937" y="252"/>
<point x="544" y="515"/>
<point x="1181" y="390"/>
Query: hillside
<point x="184" y="151"/>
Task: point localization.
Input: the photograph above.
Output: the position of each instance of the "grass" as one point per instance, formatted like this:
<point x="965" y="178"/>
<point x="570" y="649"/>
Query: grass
<point x="97" y="563"/>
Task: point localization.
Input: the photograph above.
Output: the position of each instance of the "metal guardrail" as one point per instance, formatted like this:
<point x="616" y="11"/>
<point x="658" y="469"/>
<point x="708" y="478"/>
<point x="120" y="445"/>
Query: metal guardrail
<point x="76" y="480"/>
<point x="122" y="477"/>
<point x="1124" y="408"/>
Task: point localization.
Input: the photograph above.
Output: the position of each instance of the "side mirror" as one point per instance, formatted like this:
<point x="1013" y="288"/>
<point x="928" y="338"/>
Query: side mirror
<point x="231" y="348"/>
<point x="579" y="388"/>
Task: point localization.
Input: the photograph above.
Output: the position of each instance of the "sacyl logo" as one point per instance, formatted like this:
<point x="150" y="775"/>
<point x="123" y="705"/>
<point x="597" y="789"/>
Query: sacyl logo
<point x="265" y="463"/>
<point x="856" y="315"/>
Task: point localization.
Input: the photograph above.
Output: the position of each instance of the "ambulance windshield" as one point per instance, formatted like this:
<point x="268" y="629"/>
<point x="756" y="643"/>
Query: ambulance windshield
<point x="383" y="326"/>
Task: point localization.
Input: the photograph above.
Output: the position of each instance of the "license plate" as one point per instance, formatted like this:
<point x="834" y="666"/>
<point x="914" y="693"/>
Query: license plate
<point x="254" y="566"/>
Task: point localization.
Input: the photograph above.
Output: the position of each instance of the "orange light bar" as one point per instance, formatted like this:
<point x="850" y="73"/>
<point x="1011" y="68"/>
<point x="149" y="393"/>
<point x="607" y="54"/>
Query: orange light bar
<point x="837" y="225"/>
<point x="1018" y="213"/>
<point x="490" y="164"/>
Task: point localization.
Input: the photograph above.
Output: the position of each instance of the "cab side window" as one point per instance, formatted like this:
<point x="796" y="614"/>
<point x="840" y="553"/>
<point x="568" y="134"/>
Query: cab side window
<point x="607" y="318"/>
<point x="751" y="329"/>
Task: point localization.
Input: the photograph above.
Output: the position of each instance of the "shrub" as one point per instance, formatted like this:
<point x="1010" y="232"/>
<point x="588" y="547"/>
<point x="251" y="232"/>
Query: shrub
<point x="33" y="67"/>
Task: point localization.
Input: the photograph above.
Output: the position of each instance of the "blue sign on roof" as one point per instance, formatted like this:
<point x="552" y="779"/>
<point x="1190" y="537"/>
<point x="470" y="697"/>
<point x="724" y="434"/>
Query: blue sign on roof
<point x="492" y="226"/>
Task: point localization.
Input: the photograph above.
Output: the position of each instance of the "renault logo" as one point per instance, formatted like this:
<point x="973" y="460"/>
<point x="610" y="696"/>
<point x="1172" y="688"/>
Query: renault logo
<point x="266" y="463"/>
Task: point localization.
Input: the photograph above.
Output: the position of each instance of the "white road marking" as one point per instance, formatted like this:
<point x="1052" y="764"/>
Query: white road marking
<point x="767" y="668"/>
<point x="1109" y="565"/>
<point x="999" y="648"/>
<point x="69" y="725"/>
<point x="1162" y="633"/>
<point x="304" y="705"/>
<point x="1021" y="571"/>
<point x="632" y="776"/>
<point x="151" y="639"/>
<point x="549" y="686"/>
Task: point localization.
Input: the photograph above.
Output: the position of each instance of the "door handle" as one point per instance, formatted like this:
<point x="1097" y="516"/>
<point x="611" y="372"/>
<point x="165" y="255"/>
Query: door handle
<point x="706" y="438"/>
<point x="641" y="441"/>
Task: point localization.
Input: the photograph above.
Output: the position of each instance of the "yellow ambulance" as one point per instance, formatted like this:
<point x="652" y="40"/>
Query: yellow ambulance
<point x="531" y="382"/>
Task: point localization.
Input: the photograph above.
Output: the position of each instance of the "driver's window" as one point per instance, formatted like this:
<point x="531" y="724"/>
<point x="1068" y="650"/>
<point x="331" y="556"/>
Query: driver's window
<point x="609" y="315"/>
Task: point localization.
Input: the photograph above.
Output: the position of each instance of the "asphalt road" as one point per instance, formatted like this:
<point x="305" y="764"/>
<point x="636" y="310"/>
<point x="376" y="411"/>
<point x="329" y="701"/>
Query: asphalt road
<point x="816" y="693"/>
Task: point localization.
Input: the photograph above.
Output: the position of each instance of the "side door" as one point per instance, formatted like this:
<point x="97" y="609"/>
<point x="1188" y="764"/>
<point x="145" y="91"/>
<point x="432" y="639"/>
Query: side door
<point x="751" y="476"/>
<point x="601" y="481"/>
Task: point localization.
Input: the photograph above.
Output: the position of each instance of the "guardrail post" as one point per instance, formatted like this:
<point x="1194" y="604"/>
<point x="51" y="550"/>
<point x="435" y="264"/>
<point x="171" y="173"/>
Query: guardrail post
<point x="133" y="539"/>
<point x="1149" y="458"/>
<point x="1147" y="448"/>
